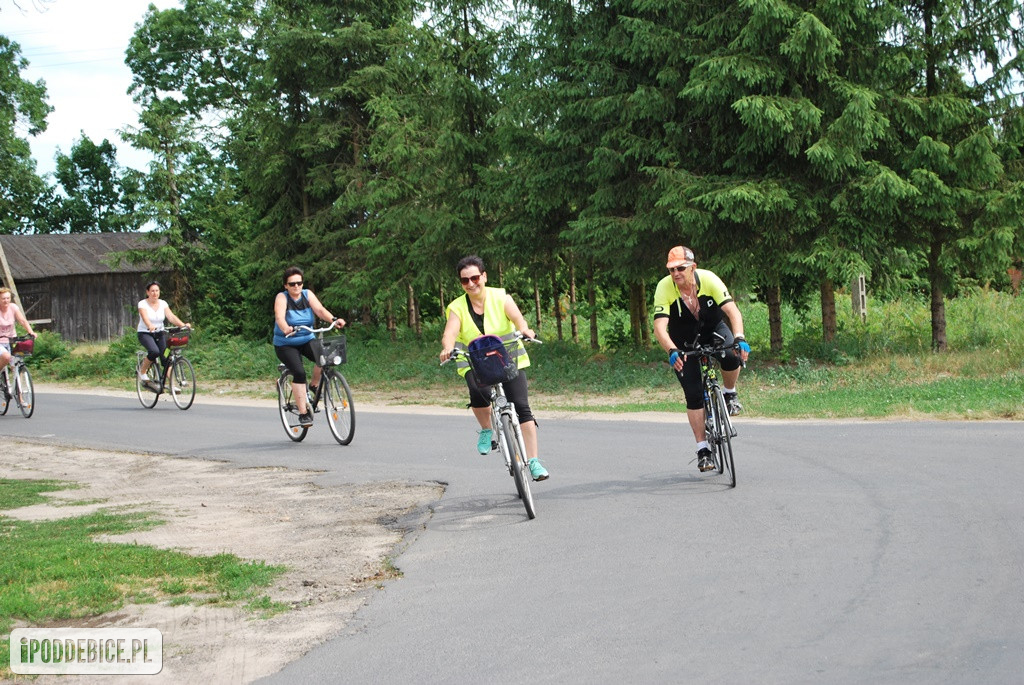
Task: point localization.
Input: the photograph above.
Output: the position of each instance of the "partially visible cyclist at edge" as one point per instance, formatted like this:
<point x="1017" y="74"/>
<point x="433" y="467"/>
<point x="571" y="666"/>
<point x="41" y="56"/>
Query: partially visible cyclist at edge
<point x="690" y="306"/>
<point x="491" y="311"/>
<point x="299" y="306"/>
<point x="9" y="315"/>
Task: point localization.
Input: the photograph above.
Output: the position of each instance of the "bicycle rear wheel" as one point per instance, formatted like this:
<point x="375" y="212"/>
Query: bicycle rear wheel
<point x="5" y="393"/>
<point x="341" y="413"/>
<point x="289" y="411"/>
<point x="23" y="391"/>
<point x="724" y="436"/>
<point x="183" y="383"/>
<point x="147" y="395"/>
<point x="520" y="471"/>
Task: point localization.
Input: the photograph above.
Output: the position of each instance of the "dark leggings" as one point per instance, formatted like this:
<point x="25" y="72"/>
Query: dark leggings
<point x="155" y="344"/>
<point x="689" y="377"/>
<point x="516" y="391"/>
<point x="291" y="356"/>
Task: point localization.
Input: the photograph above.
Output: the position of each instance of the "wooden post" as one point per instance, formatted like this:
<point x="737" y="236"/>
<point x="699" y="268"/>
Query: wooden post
<point x="8" y="278"/>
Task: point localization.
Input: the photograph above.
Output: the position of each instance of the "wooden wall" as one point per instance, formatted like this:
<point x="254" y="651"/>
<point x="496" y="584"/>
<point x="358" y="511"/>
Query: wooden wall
<point x="96" y="307"/>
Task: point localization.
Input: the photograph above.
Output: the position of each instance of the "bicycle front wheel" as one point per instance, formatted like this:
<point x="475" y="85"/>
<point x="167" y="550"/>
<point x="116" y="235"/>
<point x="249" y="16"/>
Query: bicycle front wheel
<point x="341" y="412"/>
<point x="145" y="388"/>
<point x="5" y="393"/>
<point x="183" y="383"/>
<point x="711" y="427"/>
<point x="520" y="471"/>
<point x="724" y="431"/>
<point x="24" y="392"/>
<point x="289" y="411"/>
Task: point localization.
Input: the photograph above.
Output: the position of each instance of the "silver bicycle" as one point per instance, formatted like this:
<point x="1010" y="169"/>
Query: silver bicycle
<point x="333" y="392"/>
<point x="505" y="427"/>
<point x="16" y="381"/>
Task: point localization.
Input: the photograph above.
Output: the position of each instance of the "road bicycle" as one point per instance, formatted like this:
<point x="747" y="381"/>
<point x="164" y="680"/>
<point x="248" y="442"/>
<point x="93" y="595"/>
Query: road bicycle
<point x="172" y="372"/>
<point x="24" y="394"/>
<point x="509" y="436"/>
<point x="717" y="422"/>
<point x="333" y="392"/>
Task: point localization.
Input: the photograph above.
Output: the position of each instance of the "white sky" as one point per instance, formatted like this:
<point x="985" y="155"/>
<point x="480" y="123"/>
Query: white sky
<point x="77" y="47"/>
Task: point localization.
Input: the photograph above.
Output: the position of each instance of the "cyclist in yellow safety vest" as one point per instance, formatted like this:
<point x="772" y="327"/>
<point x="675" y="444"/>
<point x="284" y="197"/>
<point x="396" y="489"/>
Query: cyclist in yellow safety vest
<point x="491" y="311"/>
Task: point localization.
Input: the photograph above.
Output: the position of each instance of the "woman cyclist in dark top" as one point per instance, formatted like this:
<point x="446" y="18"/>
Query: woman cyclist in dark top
<point x="298" y="306"/>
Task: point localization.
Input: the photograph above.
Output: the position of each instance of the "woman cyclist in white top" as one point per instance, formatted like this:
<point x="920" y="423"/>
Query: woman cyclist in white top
<point x="153" y="312"/>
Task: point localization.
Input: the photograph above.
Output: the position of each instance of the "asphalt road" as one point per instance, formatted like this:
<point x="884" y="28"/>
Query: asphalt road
<point x="853" y="552"/>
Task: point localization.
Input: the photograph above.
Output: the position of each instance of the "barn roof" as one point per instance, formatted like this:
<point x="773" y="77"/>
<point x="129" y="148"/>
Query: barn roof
<point x="34" y="257"/>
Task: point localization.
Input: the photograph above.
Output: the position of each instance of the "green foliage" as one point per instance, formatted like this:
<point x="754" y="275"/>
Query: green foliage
<point x="48" y="347"/>
<point x="23" y="109"/>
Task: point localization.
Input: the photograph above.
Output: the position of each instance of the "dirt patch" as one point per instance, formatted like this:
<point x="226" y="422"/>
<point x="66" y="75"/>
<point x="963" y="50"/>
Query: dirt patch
<point x="335" y="542"/>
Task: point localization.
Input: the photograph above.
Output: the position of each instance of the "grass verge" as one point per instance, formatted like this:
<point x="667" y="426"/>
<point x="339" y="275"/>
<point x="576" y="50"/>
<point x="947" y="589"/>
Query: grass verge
<point x="53" y="571"/>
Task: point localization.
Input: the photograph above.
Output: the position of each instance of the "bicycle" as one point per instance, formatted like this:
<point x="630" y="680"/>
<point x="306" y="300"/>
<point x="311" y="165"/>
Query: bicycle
<point x="333" y="390"/>
<point x="175" y="371"/>
<point x="505" y="425"/>
<point x="717" y="422"/>
<point x="24" y="394"/>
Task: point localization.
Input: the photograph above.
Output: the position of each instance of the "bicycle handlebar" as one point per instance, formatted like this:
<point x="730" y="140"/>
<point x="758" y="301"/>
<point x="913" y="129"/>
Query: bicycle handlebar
<point x="312" y="330"/>
<point x="456" y="352"/>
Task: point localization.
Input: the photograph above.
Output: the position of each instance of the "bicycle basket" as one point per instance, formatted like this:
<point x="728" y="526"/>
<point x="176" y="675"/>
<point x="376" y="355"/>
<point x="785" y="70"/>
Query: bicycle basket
<point x="333" y="351"/>
<point x="491" y="360"/>
<point x="178" y="338"/>
<point x="23" y="347"/>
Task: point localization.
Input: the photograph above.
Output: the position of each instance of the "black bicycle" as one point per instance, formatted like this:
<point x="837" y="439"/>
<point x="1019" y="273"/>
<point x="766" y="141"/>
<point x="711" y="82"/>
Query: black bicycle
<point x="717" y="423"/>
<point x="172" y="372"/>
<point x="16" y="381"/>
<point x="508" y="434"/>
<point x="333" y="392"/>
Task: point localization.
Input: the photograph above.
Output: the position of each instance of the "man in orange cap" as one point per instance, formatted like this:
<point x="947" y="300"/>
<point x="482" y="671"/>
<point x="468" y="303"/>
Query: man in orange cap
<point x="691" y="305"/>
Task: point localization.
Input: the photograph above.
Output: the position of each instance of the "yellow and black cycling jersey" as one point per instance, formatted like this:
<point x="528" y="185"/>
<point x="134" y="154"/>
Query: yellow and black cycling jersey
<point x="683" y="327"/>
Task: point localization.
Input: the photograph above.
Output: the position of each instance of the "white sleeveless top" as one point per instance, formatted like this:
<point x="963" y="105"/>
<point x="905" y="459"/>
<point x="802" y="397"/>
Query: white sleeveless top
<point x="156" y="316"/>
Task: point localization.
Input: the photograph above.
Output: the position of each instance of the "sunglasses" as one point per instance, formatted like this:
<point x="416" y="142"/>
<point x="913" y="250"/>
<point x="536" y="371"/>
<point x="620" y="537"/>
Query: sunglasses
<point x="466" y="280"/>
<point x="294" y="283"/>
<point x="679" y="269"/>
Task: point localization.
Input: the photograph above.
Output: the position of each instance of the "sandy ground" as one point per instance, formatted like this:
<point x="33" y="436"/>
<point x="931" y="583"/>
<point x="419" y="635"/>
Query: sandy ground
<point x="333" y="540"/>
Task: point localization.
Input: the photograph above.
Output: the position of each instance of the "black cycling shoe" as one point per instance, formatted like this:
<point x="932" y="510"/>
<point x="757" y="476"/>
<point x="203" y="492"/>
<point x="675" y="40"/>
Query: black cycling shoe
<point x="306" y="420"/>
<point x="704" y="460"/>
<point x="732" y="403"/>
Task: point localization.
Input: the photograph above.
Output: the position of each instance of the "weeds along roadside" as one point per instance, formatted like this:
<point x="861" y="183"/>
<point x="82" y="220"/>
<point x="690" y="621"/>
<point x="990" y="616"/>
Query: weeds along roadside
<point x="877" y="368"/>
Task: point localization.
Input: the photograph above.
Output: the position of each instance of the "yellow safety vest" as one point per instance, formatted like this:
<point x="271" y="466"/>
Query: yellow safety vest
<point x="496" y="323"/>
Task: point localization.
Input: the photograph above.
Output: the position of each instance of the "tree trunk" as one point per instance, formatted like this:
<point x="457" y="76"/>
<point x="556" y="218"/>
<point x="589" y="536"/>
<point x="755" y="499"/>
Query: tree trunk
<point x="645" y="325"/>
<point x="828" y="310"/>
<point x="440" y="294"/>
<point x="558" y="303"/>
<point x="774" y="294"/>
<point x="536" y="305"/>
<point x="573" y="322"/>
<point x="413" y="311"/>
<point x="938" y="297"/>
<point x="392" y="326"/>
<point x="636" y="321"/>
<point x="592" y="302"/>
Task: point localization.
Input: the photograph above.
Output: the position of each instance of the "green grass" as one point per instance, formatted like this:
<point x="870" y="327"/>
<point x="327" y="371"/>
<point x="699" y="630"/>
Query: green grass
<point x="56" y="570"/>
<point x="883" y="366"/>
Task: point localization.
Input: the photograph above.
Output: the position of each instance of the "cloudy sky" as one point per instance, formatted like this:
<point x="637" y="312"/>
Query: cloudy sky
<point x="77" y="47"/>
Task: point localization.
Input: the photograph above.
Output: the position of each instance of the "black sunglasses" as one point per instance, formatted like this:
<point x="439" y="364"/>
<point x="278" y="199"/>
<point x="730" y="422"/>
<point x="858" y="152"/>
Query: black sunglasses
<point x="680" y="269"/>
<point x="467" y="279"/>
<point x="294" y="283"/>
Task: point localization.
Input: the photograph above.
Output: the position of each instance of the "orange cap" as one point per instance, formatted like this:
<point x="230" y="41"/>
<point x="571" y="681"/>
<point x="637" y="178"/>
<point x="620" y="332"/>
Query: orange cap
<point x="680" y="256"/>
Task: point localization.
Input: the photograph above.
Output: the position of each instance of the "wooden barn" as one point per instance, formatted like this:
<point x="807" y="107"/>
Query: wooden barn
<point x="67" y="283"/>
